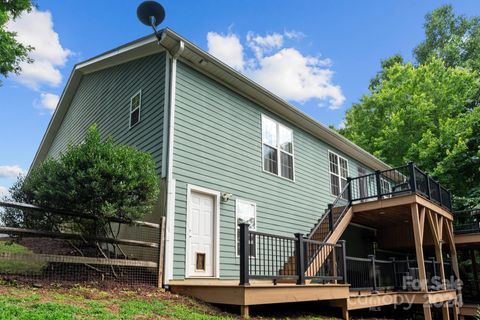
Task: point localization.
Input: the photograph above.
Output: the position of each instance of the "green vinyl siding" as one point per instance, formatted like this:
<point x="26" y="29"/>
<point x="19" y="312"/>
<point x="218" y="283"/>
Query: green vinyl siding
<point x="103" y="97"/>
<point x="217" y="145"/>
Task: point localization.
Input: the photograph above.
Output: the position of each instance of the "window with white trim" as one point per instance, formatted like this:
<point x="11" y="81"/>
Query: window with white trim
<point x="245" y="212"/>
<point x="135" y="106"/>
<point x="338" y="173"/>
<point x="277" y="148"/>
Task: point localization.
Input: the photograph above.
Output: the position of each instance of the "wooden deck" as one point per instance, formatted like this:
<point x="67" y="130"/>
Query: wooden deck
<point x="468" y="240"/>
<point x="265" y="292"/>
<point x="427" y="223"/>
<point x="258" y="292"/>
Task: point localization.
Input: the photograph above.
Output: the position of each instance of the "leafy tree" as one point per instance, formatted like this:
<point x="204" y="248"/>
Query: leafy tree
<point x="428" y="111"/>
<point x="11" y="51"/>
<point x="102" y="179"/>
<point x="453" y="38"/>
<point x="423" y="114"/>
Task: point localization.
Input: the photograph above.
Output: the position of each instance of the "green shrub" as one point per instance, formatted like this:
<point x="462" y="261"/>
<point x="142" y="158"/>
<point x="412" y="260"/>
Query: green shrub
<point x="99" y="178"/>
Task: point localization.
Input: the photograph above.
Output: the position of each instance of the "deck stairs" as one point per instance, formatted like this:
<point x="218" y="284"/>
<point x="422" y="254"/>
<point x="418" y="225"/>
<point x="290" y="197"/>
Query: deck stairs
<point x="328" y="229"/>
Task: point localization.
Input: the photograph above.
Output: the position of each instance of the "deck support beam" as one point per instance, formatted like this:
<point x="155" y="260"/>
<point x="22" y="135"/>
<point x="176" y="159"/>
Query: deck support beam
<point x="418" y="222"/>
<point x="433" y="221"/>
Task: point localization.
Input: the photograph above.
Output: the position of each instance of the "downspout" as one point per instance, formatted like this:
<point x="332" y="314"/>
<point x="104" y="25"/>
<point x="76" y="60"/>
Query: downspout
<point x="170" y="183"/>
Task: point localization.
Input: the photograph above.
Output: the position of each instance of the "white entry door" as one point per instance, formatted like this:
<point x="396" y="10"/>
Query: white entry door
<point x="200" y="233"/>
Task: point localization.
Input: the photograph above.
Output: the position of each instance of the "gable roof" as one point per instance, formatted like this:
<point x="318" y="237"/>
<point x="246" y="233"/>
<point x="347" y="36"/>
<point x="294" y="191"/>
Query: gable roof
<point x="214" y="68"/>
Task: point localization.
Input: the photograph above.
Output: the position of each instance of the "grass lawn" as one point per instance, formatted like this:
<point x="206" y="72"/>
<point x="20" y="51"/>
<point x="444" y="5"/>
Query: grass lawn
<point x="15" y="265"/>
<point x="27" y="303"/>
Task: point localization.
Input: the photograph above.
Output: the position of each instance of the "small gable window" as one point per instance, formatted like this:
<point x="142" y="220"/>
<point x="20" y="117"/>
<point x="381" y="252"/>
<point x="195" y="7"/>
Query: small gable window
<point x="277" y="153"/>
<point x="135" y="107"/>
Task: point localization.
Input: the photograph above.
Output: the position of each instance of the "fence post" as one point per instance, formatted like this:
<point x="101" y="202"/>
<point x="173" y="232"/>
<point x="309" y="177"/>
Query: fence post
<point x="428" y="185"/>
<point x="394" y="269"/>
<point x="343" y="243"/>
<point x="349" y="188"/>
<point x="374" y="271"/>
<point x="300" y="258"/>
<point x="379" y="186"/>
<point x="413" y="179"/>
<point x="330" y="217"/>
<point x="244" y="254"/>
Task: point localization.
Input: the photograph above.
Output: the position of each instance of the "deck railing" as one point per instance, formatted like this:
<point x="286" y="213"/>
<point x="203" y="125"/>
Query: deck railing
<point x="467" y="221"/>
<point x="377" y="274"/>
<point x="398" y="181"/>
<point x="277" y="258"/>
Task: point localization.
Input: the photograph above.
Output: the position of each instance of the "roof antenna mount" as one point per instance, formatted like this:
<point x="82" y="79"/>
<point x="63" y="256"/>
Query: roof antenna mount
<point x="151" y="13"/>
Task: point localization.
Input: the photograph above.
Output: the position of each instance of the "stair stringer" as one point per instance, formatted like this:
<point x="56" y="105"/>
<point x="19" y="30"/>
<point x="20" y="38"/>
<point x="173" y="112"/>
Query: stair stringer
<point x="317" y="262"/>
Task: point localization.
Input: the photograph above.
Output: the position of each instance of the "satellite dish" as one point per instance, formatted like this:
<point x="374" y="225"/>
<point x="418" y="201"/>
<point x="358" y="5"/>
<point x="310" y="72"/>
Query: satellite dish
<point x="150" y="13"/>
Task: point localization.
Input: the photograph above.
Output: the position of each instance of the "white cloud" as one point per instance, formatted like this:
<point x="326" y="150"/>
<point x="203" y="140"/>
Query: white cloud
<point x="36" y="29"/>
<point x="226" y="48"/>
<point x="10" y="171"/>
<point x="342" y="124"/>
<point x="283" y="70"/>
<point x="3" y="192"/>
<point x="48" y="101"/>
<point x="264" y="44"/>
<point x="294" y="34"/>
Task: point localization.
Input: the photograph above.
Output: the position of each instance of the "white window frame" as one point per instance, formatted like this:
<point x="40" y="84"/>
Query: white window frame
<point x="139" y="93"/>
<point x="237" y="227"/>
<point x="278" y="149"/>
<point x="339" y="175"/>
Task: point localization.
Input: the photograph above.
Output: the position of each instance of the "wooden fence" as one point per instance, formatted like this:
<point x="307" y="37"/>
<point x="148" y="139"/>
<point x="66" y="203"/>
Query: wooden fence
<point x="45" y="245"/>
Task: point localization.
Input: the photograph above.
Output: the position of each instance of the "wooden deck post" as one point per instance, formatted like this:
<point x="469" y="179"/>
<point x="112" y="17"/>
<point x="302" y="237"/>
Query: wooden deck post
<point x="427" y="312"/>
<point x="437" y="241"/>
<point x="453" y="249"/>
<point x="244" y="312"/>
<point x="345" y="314"/>
<point x="418" y="223"/>
<point x="456" y="310"/>
<point x="445" y="311"/>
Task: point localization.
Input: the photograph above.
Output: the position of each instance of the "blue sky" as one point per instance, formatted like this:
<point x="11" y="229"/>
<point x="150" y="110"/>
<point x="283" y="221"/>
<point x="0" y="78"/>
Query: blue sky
<point x="340" y="44"/>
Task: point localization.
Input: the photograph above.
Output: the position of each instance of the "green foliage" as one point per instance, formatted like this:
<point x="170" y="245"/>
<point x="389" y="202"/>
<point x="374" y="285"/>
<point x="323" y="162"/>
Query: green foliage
<point x="453" y="38"/>
<point x="428" y="112"/>
<point x="103" y="179"/>
<point x="12" y="53"/>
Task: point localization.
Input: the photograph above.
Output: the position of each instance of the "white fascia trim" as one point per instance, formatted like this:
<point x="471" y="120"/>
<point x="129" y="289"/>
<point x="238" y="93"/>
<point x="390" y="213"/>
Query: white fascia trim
<point x="171" y="183"/>
<point x="128" y="47"/>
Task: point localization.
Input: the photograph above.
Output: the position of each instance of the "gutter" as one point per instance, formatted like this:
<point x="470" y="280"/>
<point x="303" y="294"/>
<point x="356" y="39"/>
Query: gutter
<point x="170" y="183"/>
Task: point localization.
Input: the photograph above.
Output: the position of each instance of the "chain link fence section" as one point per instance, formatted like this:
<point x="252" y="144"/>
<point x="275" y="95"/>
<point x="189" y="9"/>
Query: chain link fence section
<point x="38" y="247"/>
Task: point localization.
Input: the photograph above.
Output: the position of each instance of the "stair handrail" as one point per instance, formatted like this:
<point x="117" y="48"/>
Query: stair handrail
<point x="327" y="213"/>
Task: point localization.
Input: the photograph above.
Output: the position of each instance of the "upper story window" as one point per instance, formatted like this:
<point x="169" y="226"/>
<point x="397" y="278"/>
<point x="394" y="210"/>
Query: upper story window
<point x="338" y="173"/>
<point x="135" y="106"/>
<point x="277" y="144"/>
